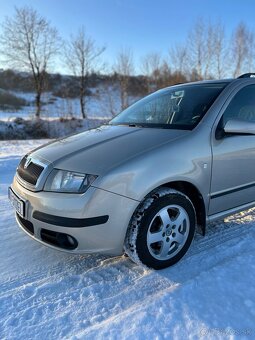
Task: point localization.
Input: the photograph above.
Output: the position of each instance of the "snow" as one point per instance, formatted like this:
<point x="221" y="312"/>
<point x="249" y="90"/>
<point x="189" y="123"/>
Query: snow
<point x="57" y="107"/>
<point x="50" y="127"/>
<point x="46" y="294"/>
<point x="103" y="104"/>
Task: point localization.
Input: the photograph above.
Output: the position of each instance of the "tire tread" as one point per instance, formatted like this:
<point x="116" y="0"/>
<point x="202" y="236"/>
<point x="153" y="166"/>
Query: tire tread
<point x="132" y="232"/>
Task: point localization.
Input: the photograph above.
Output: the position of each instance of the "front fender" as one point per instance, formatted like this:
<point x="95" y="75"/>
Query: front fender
<point x="138" y="177"/>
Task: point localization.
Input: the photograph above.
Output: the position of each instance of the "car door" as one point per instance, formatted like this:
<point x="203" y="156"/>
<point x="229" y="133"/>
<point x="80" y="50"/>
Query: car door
<point x="233" y="165"/>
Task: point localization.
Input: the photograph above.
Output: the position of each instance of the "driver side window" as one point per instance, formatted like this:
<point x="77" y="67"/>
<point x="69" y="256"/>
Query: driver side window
<point x="242" y="106"/>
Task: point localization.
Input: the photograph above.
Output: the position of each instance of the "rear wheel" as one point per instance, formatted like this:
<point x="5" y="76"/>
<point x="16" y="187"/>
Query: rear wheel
<point x="161" y="229"/>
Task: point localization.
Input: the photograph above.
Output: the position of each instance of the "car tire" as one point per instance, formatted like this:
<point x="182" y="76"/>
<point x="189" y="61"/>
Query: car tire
<point x="161" y="229"/>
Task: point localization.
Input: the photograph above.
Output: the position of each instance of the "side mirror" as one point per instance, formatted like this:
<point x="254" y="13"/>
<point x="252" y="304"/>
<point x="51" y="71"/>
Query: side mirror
<point x="238" y="126"/>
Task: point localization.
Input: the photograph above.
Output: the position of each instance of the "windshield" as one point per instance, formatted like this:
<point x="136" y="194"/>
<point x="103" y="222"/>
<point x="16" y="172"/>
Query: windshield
<point x="178" y="107"/>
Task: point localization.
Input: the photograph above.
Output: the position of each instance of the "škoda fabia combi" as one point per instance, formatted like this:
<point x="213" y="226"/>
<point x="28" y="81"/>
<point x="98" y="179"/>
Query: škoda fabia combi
<point x="170" y="163"/>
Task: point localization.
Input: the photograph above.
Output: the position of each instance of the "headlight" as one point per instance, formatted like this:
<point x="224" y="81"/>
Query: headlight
<point x="68" y="181"/>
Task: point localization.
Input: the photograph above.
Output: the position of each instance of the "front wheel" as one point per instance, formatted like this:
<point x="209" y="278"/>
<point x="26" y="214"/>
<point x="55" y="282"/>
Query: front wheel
<point x="161" y="229"/>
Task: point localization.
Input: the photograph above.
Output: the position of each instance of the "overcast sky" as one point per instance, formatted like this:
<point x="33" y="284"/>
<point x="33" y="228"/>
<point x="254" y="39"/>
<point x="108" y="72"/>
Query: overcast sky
<point x="143" y="25"/>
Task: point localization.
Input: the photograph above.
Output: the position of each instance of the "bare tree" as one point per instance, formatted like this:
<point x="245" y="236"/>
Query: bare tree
<point x="165" y="76"/>
<point x="196" y="45"/>
<point x="179" y="58"/>
<point x="28" y="42"/>
<point x="109" y="104"/>
<point x="209" y="36"/>
<point x="207" y="51"/>
<point x="251" y="53"/>
<point x="82" y="57"/>
<point x="205" y="46"/>
<point x="242" y="49"/>
<point x="220" y="50"/>
<point x="124" y="68"/>
<point x="210" y="54"/>
<point x="151" y="65"/>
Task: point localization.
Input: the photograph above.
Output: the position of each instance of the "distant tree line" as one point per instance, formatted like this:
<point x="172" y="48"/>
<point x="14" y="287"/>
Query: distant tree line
<point x="29" y="43"/>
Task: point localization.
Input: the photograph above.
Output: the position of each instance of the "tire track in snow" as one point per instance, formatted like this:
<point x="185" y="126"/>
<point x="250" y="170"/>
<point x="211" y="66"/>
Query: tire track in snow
<point x="216" y="235"/>
<point x="81" y="294"/>
<point x="101" y="287"/>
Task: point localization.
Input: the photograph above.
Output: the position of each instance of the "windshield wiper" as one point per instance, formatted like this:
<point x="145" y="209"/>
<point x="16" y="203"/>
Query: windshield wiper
<point x="134" y="125"/>
<point x="127" y="124"/>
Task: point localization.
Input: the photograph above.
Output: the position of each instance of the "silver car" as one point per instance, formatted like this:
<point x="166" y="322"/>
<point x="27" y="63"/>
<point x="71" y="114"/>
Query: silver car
<point x="142" y="184"/>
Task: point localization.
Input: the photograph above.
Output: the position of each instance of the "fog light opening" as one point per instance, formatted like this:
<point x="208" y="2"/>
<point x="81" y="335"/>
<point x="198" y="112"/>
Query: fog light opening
<point x="71" y="240"/>
<point x="58" y="239"/>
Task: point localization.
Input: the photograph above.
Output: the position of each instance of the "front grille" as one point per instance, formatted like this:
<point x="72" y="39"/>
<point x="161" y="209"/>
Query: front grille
<point x="27" y="225"/>
<point x="31" y="173"/>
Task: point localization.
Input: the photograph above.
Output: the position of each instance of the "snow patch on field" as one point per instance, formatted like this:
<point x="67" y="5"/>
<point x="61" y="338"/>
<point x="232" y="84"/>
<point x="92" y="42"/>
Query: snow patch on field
<point x="20" y="128"/>
<point x="47" y="294"/>
<point x="103" y="104"/>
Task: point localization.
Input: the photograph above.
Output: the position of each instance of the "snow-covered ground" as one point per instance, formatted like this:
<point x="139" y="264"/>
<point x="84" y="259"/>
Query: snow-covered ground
<point x="46" y="294"/>
<point x="50" y="128"/>
<point x="56" y="107"/>
<point x="104" y="103"/>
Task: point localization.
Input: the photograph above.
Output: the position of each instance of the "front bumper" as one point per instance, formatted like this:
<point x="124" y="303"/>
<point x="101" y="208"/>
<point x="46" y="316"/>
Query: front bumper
<point x="97" y="219"/>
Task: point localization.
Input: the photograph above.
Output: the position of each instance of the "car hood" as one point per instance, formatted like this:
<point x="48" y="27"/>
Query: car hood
<point x="98" y="150"/>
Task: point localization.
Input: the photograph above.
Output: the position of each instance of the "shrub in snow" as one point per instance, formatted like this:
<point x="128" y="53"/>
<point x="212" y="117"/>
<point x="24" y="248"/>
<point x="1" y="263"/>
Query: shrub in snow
<point x="20" y="128"/>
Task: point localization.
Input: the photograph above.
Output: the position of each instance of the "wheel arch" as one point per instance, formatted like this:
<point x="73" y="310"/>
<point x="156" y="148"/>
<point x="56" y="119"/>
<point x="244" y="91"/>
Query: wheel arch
<point x="191" y="191"/>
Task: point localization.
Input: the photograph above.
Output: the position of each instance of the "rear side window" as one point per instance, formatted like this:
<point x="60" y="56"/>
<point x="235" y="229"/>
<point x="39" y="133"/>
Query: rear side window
<point x="242" y="106"/>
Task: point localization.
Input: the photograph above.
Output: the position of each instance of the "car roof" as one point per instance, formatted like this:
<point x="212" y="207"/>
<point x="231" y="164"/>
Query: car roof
<point x="201" y="82"/>
<point x="241" y="78"/>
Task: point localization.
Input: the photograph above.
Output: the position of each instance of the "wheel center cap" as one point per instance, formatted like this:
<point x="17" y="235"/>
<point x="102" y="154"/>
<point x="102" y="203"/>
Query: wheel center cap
<point x="168" y="233"/>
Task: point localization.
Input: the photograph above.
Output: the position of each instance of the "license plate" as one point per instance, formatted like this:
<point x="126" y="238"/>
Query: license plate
<point x="17" y="203"/>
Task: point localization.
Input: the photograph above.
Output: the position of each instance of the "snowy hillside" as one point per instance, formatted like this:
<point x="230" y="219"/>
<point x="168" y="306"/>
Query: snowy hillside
<point x="103" y="103"/>
<point x="46" y="294"/>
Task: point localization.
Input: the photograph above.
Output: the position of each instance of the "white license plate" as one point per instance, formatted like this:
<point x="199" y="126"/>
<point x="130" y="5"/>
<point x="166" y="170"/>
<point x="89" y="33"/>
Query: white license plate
<point x="17" y="203"/>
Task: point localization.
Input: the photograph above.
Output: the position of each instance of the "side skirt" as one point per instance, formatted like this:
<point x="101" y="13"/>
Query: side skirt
<point x="229" y="212"/>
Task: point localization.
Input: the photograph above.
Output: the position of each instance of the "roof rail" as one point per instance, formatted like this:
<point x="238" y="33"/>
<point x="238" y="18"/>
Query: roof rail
<point x="247" y="75"/>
